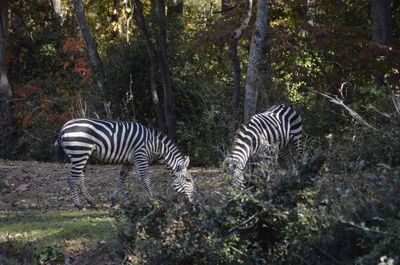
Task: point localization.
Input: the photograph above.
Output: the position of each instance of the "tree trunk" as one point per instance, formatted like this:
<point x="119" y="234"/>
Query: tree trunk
<point x="7" y="118"/>
<point x="92" y="52"/>
<point x="257" y="60"/>
<point x="153" y="64"/>
<point x="236" y="66"/>
<point x="382" y="28"/>
<point x="161" y="39"/>
<point x="382" y="24"/>
<point x="175" y="8"/>
<point x="57" y="7"/>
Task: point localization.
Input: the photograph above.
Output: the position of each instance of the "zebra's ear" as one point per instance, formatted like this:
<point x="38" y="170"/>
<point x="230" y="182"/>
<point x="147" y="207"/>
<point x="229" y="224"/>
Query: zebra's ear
<point x="187" y="161"/>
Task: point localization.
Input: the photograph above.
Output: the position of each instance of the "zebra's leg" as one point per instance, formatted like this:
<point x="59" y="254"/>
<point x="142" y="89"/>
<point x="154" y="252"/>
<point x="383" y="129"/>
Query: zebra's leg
<point x="296" y="142"/>
<point x="124" y="170"/>
<point x="88" y="196"/>
<point x="142" y="164"/>
<point x="144" y="176"/>
<point x="76" y="179"/>
<point x="73" y="186"/>
<point x="287" y="160"/>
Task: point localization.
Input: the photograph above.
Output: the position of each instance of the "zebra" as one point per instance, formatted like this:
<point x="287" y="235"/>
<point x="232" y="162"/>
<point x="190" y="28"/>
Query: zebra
<point x="125" y="143"/>
<point x="279" y="126"/>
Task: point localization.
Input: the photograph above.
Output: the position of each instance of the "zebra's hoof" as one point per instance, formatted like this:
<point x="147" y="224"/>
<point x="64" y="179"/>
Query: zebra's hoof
<point x="94" y="206"/>
<point x="79" y="206"/>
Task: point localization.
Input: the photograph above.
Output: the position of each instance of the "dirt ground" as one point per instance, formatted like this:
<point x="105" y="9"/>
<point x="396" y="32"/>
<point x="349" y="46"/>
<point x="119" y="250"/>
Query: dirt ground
<point x="28" y="185"/>
<point x="36" y="186"/>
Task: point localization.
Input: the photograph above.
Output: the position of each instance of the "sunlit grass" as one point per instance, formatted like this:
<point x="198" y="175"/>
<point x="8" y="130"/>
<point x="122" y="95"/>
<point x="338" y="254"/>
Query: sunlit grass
<point x="73" y="228"/>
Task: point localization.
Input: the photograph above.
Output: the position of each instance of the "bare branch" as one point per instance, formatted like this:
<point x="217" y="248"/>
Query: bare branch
<point x="239" y="31"/>
<point x="365" y="228"/>
<point x="238" y="251"/>
<point x="243" y="223"/>
<point x="225" y="10"/>
<point x="334" y="99"/>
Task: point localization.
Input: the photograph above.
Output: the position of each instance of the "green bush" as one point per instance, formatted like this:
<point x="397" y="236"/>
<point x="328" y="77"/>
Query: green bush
<point x="52" y="254"/>
<point x="347" y="213"/>
<point x="256" y="226"/>
<point x="364" y="216"/>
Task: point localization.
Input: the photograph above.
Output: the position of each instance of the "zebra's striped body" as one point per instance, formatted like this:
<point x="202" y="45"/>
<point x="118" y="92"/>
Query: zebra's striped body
<point x="279" y="126"/>
<point x="126" y="143"/>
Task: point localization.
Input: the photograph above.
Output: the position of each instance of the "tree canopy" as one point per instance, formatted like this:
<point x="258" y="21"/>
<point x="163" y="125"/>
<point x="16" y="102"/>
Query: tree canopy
<point x="329" y="46"/>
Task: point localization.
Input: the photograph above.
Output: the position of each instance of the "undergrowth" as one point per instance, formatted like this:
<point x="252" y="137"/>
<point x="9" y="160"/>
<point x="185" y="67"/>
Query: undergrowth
<point x="331" y="217"/>
<point x="254" y="226"/>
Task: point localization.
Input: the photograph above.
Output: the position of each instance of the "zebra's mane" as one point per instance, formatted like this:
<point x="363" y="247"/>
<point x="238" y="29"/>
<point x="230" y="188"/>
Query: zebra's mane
<point x="164" y="139"/>
<point x="160" y="135"/>
<point x="243" y="128"/>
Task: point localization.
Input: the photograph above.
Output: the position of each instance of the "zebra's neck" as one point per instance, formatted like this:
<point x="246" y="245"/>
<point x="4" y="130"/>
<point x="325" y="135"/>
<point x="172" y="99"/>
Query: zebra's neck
<point x="240" y="154"/>
<point x="245" y="145"/>
<point x="240" y="158"/>
<point x="165" y="149"/>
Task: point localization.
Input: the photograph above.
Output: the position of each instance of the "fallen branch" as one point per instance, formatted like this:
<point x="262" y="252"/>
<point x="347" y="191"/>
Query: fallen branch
<point x="243" y="223"/>
<point x="336" y="100"/>
<point x="365" y="228"/>
<point x="238" y="251"/>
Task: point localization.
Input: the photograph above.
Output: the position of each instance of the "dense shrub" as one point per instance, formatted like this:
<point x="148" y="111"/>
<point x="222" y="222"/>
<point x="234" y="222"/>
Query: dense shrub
<point x="341" y="214"/>
<point x="256" y="226"/>
<point x="363" y="209"/>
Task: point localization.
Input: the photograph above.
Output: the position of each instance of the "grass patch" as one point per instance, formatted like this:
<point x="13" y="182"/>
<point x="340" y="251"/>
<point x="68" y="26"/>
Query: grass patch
<point x="35" y="231"/>
<point x="55" y="226"/>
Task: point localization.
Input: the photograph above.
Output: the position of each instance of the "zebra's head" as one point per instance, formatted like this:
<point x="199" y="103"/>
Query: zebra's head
<point x="232" y="169"/>
<point x="182" y="180"/>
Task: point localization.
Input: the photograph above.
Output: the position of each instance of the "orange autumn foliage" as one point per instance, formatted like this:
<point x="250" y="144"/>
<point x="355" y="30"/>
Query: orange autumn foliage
<point x="73" y="45"/>
<point x="26" y="91"/>
<point x="76" y="58"/>
<point x="66" y="116"/>
<point x="47" y="105"/>
<point x="83" y="68"/>
<point x="26" y="121"/>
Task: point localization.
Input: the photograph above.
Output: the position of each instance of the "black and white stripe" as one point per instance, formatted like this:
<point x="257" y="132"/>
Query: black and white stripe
<point x="126" y="143"/>
<point x="279" y="126"/>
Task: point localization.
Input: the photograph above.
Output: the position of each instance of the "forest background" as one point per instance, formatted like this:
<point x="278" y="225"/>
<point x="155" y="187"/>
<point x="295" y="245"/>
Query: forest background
<point x="183" y="67"/>
<point x="344" y="48"/>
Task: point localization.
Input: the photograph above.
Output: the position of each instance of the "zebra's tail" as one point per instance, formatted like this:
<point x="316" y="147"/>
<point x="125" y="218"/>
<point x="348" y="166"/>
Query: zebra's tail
<point x="59" y="150"/>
